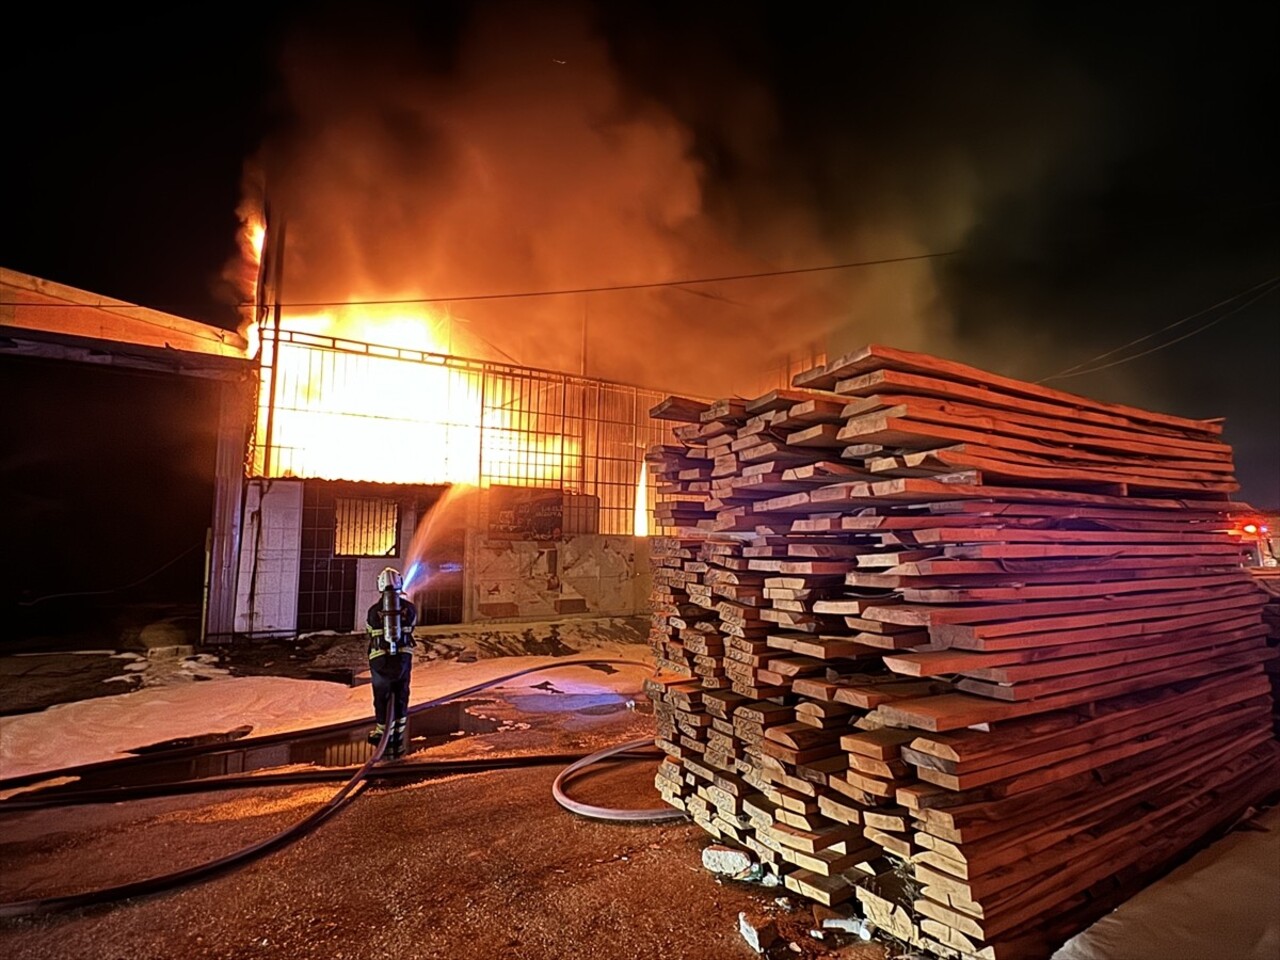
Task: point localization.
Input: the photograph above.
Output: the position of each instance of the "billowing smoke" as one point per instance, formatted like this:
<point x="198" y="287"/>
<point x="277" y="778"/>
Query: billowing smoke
<point x="528" y="163"/>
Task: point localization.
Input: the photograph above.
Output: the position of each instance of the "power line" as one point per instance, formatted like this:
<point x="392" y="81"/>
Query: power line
<point x="1201" y="329"/>
<point x="127" y="586"/>
<point x="624" y="286"/>
<point x="523" y="294"/>
<point x="1082" y="368"/>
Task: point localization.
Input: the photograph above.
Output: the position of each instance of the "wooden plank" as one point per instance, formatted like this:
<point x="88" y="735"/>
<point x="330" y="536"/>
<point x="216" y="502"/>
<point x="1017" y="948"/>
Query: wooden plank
<point x="1026" y="432"/>
<point x="877" y="357"/>
<point x="1133" y="625"/>
<point x="896" y="382"/>
<point x="1073" y="758"/>
<point x="1035" y="591"/>
<point x="975" y="749"/>
<point x="954" y="711"/>
<point x="1097" y="672"/>
<point x="1051" y="612"/>
<point x="1002" y="667"/>
<point x="883" y="744"/>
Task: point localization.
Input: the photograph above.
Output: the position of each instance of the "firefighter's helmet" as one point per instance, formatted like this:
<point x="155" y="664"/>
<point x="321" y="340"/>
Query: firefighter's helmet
<point x="389" y="577"/>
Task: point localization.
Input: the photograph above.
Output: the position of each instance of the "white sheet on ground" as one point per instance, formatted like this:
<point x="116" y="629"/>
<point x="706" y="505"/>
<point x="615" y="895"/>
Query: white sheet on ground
<point x="1223" y="904"/>
<point x="104" y="728"/>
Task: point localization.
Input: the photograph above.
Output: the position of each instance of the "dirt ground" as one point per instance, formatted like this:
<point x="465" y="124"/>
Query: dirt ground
<point x="476" y="866"/>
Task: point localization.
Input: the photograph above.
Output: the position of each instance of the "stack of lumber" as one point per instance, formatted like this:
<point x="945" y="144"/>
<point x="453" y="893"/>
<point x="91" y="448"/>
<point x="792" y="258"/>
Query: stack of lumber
<point x="994" y="632"/>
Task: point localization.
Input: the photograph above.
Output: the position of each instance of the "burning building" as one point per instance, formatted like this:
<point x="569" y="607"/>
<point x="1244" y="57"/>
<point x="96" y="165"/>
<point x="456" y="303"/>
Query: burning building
<point x="503" y="491"/>
<point x="345" y="444"/>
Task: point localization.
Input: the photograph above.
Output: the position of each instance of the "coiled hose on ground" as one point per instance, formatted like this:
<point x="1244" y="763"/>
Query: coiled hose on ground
<point x="345" y="794"/>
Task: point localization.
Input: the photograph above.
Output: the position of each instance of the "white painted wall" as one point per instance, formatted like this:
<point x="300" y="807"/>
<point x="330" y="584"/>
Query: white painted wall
<point x="269" y="558"/>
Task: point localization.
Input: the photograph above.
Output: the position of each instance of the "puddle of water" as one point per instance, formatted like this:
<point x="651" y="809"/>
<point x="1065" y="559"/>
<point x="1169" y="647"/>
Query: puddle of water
<point x="603" y="709"/>
<point x="203" y="740"/>
<point x="589" y="704"/>
<point x="347" y="747"/>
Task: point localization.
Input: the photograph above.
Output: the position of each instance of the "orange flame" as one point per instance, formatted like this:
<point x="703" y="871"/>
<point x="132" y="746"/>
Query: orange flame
<point x="371" y="416"/>
<point x="257" y="231"/>
<point x="640" y="523"/>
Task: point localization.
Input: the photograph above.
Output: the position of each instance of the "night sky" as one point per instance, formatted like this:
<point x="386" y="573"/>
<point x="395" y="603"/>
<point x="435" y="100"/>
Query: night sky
<point x="1100" y="173"/>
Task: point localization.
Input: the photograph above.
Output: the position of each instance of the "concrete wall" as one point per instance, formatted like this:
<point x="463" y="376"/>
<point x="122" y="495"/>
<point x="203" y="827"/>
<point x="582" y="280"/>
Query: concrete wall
<point x="584" y="575"/>
<point x="590" y="574"/>
<point x="267" y="581"/>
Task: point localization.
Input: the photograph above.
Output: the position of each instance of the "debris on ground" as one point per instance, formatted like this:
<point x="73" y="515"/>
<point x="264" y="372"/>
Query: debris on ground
<point x="758" y="930"/>
<point x="728" y="862"/>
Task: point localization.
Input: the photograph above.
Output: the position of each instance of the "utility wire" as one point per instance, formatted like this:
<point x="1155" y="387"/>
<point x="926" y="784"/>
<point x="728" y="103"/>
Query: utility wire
<point x="1169" y="343"/>
<point x="516" y="295"/>
<point x="127" y="586"/>
<point x="524" y="294"/>
<point x="1083" y="367"/>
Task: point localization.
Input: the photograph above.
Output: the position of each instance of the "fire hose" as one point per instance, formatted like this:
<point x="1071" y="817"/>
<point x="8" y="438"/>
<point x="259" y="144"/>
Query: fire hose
<point x="350" y="789"/>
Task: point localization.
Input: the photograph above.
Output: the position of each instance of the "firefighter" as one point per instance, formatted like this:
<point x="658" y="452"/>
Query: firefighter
<point x="390" y="625"/>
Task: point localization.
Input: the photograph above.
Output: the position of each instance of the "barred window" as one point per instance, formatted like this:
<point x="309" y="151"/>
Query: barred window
<point x="366" y="527"/>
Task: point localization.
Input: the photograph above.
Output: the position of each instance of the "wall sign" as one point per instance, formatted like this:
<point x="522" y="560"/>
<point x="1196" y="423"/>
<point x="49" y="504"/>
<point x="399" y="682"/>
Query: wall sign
<point x="525" y="513"/>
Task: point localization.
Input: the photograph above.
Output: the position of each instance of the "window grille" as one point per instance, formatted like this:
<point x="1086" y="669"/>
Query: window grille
<point x="366" y="527"/>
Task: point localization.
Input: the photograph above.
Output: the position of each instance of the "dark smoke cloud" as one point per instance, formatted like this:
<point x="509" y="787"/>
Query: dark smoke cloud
<point x="533" y="163"/>
<point x="1097" y="183"/>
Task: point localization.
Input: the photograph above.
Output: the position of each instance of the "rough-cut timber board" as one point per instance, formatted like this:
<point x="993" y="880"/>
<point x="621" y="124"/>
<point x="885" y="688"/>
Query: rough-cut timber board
<point x="868" y="696"/>
<point x="679" y="408"/>
<point x="1051" y="631"/>
<point x="785" y="399"/>
<point x="1003" y="667"/>
<point x="1091" y="676"/>
<point x="830" y="648"/>
<point x="953" y="459"/>
<point x="1048" y="611"/>
<point x="1102" y="567"/>
<point x="1145" y="653"/>
<point x="1023" y="551"/>
<point x="930" y="574"/>
<point x="877" y="357"/>
<point x="900" y="383"/>
<point x="822" y="435"/>
<point x="809" y="412"/>
<point x="975" y="749"/>
<point x="954" y="711"/>
<point x="1049" y="436"/>
<point x="1088" y="756"/>
<point x="1033" y="591"/>
<point x="1069" y="776"/>
<point x="1077" y="865"/>
<point x="980" y="821"/>
<point x="828" y="891"/>
<point x="919" y="491"/>
<point x="996" y="461"/>
<point x="1182" y="511"/>
<point x="1016" y="534"/>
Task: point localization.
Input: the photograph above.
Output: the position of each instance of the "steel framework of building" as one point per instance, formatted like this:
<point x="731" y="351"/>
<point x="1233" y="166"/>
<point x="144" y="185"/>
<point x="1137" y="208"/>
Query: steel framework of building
<point x="438" y="418"/>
